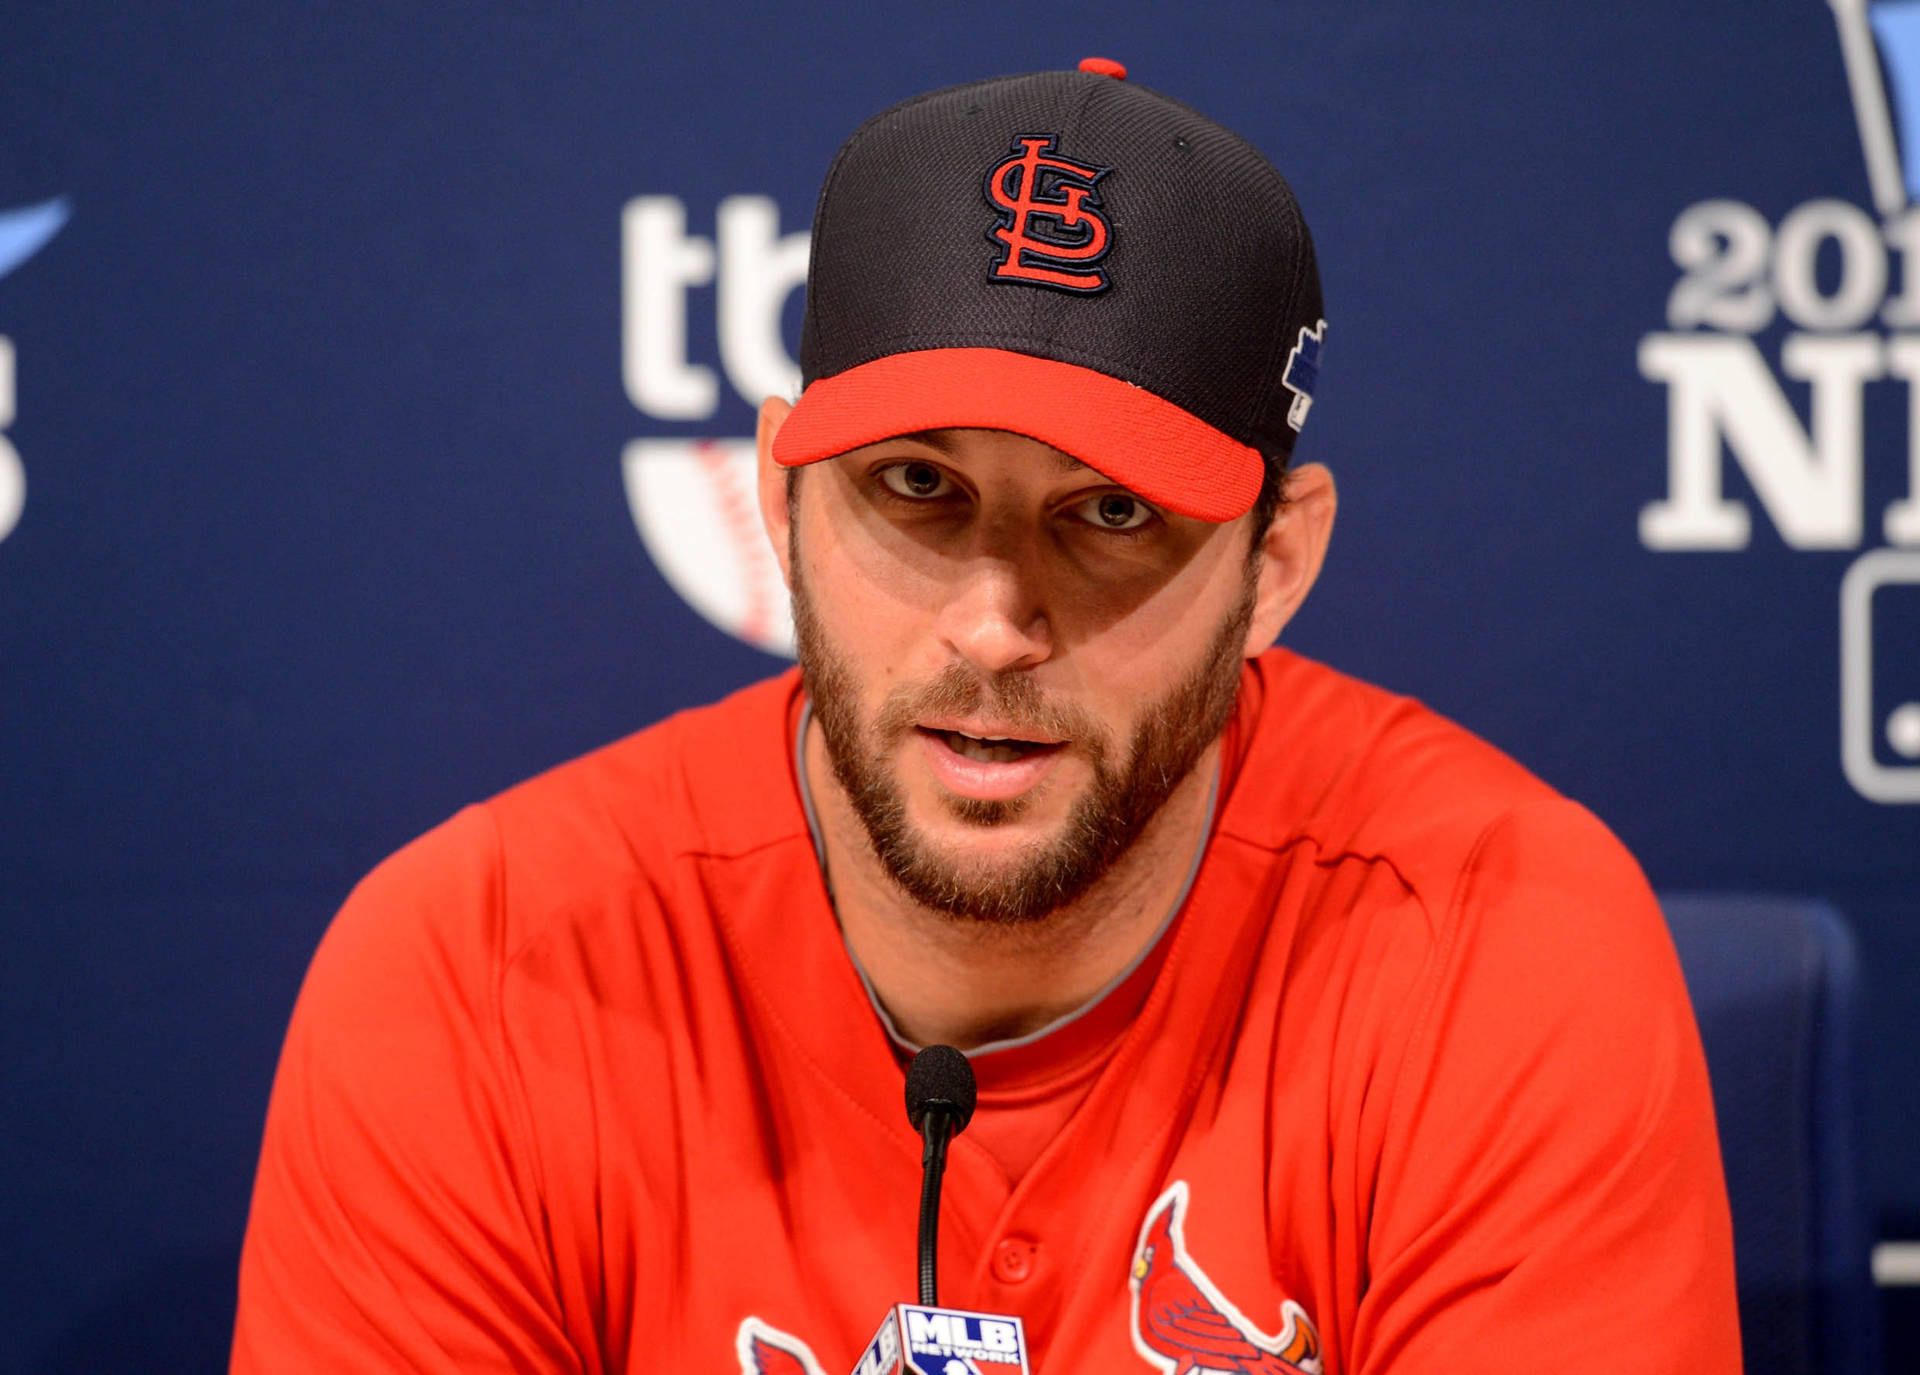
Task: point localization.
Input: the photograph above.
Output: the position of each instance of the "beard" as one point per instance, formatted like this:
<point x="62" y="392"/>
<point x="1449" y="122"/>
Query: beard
<point x="1128" y="787"/>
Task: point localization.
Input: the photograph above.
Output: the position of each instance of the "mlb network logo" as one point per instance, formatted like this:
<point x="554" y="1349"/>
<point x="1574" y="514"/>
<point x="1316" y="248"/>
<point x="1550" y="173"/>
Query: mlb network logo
<point x="945" y="1341"/>
<point x="1740" y="275"/>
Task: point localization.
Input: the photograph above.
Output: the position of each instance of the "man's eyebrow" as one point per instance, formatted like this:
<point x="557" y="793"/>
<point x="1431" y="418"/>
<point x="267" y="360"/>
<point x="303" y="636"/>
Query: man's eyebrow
<point x="933" y="439"/>
<point x="943" y="442"/>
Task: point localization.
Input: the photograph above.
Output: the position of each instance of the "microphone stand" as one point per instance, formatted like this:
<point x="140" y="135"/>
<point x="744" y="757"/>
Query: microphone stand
<point x="936" y="1130"/>
<point x="940" y="1102"/>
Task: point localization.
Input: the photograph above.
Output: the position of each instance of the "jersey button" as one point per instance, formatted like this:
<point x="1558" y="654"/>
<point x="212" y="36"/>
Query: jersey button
<point x="1013" y="1260"/>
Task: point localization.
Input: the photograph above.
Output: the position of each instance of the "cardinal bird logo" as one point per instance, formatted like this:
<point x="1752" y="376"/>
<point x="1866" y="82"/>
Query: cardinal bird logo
<point x="1182" y="1323"/>
<point x="766" y="1350"/>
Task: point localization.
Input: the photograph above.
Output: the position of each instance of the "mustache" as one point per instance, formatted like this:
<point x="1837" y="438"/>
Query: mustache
<point x="1013" y="698"/>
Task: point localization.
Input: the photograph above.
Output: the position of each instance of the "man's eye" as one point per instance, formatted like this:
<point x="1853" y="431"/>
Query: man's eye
<point x="917" y="481"/>
<point x="1114" y="511"/>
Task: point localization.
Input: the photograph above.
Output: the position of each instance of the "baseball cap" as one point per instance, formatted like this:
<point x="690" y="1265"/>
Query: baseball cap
<point x="1072" y="257"/>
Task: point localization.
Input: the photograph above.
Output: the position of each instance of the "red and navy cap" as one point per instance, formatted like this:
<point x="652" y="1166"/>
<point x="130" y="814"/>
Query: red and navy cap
<point x="1071" y="257"/>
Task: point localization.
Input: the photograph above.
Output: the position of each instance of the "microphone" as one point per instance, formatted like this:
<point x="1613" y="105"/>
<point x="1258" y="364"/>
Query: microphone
<point x="940" y="1098"/>
<point x="924" y="1338"/>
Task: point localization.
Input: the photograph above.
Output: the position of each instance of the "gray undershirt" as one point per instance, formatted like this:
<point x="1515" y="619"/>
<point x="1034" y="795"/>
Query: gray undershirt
<point x="1013" y="1043"/>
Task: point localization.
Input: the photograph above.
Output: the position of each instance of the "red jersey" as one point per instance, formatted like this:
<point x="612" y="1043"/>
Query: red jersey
<point x="585" y="1080"/>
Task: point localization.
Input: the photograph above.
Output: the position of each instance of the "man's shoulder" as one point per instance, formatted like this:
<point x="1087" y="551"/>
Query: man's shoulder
<point x="710" y="780"/>
<point x="1357" y="770"/>
<point x="716" y="778"/>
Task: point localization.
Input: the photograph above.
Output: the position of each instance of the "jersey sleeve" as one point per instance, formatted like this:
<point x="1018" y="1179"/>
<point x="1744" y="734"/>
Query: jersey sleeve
<point x="1549" y="1194"/>
<point x="395" y="1222"/>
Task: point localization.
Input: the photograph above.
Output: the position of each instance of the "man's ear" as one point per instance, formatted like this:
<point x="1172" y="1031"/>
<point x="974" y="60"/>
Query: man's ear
<point x="773" y="480"/>
<point x="1291" y="552"/>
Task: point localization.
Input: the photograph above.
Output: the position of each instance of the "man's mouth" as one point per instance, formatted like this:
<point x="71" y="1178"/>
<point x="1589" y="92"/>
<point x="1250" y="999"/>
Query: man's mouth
<point x="985" y="759"/>
<point x="991" y="749"/>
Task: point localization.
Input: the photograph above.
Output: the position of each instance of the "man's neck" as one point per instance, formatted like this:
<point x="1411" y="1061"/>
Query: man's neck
<point x="963" y="983"/>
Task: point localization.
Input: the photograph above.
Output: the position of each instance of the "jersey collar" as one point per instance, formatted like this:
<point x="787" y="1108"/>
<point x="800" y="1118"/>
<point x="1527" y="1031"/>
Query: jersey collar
<point x="983" y="1056"/>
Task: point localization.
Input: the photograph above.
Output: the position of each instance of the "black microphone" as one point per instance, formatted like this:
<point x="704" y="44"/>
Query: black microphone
<point x="925" y="1336"/>
<point x="940" y="1097"/>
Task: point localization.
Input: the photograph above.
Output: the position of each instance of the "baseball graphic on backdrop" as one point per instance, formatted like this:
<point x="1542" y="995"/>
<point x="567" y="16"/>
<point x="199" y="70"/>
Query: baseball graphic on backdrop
<point x="694" y="503"/>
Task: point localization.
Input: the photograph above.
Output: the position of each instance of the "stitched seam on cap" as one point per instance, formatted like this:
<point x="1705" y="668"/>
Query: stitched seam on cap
<point x="1050" y="299"/>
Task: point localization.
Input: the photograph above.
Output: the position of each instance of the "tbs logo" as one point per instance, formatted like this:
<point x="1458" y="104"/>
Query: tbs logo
<point x="694" y="499"/>
<point x="1846" y="284"/>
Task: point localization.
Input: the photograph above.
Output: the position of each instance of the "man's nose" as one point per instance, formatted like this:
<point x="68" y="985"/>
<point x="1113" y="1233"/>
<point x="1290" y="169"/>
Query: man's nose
<point x="997" y="619"/>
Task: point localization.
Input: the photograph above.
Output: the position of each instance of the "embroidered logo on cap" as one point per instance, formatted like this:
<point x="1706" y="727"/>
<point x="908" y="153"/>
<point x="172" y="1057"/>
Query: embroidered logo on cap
<point x="1303" y="373"/>
<point x="1050" y="220"/>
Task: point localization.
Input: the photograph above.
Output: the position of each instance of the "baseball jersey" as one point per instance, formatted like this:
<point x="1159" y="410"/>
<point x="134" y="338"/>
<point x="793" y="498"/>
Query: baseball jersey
<point x="585" y="1080"/>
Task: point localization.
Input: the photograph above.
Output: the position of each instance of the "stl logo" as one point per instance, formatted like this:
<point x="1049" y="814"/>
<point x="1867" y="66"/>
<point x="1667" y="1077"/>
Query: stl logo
<point x="1182" y="1323"/>
<point x="765" y="1350"/>
<point x="1050" y="223"/>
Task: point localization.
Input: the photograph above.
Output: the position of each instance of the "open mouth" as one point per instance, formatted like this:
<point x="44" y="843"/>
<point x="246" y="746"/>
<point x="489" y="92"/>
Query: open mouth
<point x="991" y="749"/>
<point x="987" y="767"/>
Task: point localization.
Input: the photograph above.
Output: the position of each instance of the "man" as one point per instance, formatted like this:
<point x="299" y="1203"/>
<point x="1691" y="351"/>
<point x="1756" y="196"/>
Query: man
<point x="1312" y="1033"/>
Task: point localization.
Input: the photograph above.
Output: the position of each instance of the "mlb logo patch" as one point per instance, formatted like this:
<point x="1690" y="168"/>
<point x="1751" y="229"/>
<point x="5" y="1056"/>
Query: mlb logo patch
<point x="1303" y="372"/>
<point x="914" y="1340"/>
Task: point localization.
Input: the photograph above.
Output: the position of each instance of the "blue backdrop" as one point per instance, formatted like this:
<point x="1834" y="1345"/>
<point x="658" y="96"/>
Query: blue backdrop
<point x="352" y="352"/>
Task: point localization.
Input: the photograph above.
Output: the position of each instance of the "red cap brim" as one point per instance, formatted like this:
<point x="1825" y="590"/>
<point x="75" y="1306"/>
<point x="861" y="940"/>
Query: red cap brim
<point x="1126" y="433"/>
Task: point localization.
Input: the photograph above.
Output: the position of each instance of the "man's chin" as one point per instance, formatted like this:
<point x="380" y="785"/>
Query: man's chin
<point x="956" y="819"/>
<point x="968" y="833"/>
<point x="991" y="862"/>
<point x="987" y="889"/>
